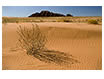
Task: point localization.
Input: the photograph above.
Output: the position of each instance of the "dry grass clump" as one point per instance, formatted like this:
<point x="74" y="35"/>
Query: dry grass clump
<point x="30" y="39"/>
<point x="65" y="20"/>
<point x="17" y="22"/>
<point x="4" y="21"/>
<point x="33" y="41"/>
<point x="92" y="21"/>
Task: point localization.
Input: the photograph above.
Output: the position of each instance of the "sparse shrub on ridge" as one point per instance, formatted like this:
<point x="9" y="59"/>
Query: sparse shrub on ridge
<point x="4" y="21"/>
<point x="65" y="20"/>
<point x="17" y="22"/>
<point x="92" y="21"/>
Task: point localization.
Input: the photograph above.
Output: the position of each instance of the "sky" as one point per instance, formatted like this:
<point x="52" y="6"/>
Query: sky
<point x="25" y="11"/>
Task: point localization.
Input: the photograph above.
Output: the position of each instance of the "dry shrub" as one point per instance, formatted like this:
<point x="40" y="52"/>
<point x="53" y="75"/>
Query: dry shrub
<point x="33" y="41"/>
<point x="17" y="22"/>
<point x="4" y="21"/>
<point x="92" y="21"/>
<point x="65" y="20"/>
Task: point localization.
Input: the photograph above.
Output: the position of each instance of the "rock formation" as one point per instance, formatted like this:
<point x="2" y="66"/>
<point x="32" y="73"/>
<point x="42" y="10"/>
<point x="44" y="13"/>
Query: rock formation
<point x="69" y="15"/>
<point x="48" y="14"/>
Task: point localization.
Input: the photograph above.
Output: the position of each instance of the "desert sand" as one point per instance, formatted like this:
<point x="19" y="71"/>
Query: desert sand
<point x="82" y="40"/>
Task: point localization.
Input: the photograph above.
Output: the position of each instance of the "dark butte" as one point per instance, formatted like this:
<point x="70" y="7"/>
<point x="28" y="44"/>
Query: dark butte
<point x="48" y="14"/>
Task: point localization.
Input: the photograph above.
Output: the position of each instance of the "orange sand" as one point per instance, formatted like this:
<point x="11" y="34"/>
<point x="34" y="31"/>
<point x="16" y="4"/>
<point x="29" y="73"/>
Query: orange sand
<point x="83" y="41"/>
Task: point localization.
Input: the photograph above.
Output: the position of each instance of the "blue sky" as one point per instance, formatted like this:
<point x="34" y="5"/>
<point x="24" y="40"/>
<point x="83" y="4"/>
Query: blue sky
<point x="24" y="11"/>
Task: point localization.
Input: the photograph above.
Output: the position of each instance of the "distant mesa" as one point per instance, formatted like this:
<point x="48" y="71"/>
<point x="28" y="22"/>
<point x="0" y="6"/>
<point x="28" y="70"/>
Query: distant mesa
<point x="69" y="15"/>
<point x="48" y="14"/>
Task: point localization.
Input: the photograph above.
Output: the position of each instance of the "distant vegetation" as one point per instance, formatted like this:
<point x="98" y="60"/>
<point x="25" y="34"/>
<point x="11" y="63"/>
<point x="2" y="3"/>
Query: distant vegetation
<point x="51" y="19"/>
<point x="92" y="21"/>
<point x="66" y="20"/>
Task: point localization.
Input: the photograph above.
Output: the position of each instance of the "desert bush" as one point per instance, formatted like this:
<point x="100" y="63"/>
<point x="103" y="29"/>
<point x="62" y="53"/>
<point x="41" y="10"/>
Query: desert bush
<point x="65" y="20"/>
<point x="92" y="21"/>
<point x="33" y="41"/>
<point x="4" y="21"/>
<point x="41" y="21"/>
<point x="17" y="22"/>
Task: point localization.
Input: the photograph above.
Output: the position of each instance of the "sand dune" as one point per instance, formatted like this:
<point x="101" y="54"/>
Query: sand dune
<point x="83" y="41"/>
